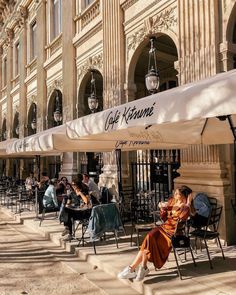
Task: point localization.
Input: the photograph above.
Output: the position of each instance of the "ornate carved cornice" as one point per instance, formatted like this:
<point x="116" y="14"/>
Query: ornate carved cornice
<point x="94" y="62"/>
<point x="8" y="37"/>
<point x="57" y="84"/>
<point x="163" y="21"/>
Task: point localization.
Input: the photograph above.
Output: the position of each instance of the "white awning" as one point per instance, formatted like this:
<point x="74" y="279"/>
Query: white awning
<point x="182" y="115"/>
<point x="3" y="147"/>
<point x="55" y="141"/>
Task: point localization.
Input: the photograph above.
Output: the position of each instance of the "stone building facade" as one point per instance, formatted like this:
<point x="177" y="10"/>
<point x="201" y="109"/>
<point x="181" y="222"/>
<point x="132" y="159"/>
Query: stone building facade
<point x="48" y="49"/>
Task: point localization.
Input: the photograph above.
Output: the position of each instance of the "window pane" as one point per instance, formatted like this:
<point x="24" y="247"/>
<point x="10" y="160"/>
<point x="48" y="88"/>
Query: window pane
<point x="88" y="2"/>
<point x="33" y="40"/>
<point x="17" y="58"/>
<point x="57" y="19"/>
<point x="4" y="72"/>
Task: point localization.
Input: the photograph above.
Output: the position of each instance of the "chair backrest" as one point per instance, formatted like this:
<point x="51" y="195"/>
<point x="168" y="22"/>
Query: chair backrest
<point x="105" y="195"/>
<point x="142" y="208"/>
<point x="213" y="202"/>
<point x="214" y="218"/>
<point x="180" y="239"/>
<point x="104" y="218"/>
<point x="233" y="203"/>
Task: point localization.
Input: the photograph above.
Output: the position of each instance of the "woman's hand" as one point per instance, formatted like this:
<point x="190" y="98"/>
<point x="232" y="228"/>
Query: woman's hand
<point x="162" y="205"/>
<point x="190" y="199"/>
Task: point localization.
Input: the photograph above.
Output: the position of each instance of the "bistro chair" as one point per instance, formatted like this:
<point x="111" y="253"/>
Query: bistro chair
<point x="210" y="231"/>
<point x="181" y="244"/>
<point x="144" y="215"/>
<point x="104" y="218"/>
<point x="43" y="210"/>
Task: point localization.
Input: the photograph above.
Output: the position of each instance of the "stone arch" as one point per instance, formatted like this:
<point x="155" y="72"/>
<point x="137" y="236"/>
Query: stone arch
<point x="84" y="92"/>
<point x="228" y="49"/>
<point x="32" y="119"/>
<point x="16" y="125"/>
<point x="54" y="102"/>
<point x="167" y="55"/>
<point x="231" y="26"/>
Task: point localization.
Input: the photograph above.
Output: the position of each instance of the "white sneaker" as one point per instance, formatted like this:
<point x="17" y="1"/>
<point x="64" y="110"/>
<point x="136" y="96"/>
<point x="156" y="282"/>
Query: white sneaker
<point x="126" y="273"/>
<point x="142" y="272"/>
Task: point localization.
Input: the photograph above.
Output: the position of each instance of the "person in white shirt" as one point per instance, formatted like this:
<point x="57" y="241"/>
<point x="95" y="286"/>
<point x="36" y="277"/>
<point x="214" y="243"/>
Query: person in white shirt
<point x="50" y="197"/>
<point x="93" y="188"/>
<point x="30" y="182"/>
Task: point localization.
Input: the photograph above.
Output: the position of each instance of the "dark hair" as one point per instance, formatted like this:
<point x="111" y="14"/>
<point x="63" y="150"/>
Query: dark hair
<point x="44" y="173"/>
<point x="86" y="175"/>
<point x="63" y="177"/>
<point x="83" y="187"/>
<point x="79" y="177"/>
<point x="185" y="190"/>
<point x="53" y="181"/>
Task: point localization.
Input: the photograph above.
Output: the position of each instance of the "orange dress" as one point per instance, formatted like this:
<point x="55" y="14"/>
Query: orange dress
<point x="157" y="242"/>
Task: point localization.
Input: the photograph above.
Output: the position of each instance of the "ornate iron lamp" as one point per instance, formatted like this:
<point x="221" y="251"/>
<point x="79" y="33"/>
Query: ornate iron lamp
<point x="34" y="122"/>
<point x="57" y="115"/>
<point x="152" y="78"/>
<point x="92" y="99"/>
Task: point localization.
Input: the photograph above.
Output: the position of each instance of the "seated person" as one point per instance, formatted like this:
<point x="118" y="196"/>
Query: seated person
<point x="200" y="210"/>
<point x="50" y="197"/>
<point x="44" y="182"/>
<point x="30" y="182"/>
<point x="157" y="243"/>
<point x="93" y="189"/>
<point x="69" y="214"/>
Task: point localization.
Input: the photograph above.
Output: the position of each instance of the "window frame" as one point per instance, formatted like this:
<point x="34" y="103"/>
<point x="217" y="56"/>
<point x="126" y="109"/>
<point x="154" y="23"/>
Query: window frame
<point x="33" y="40"/>
<point x="17" y="58"/>
<point x="56" y="18"/>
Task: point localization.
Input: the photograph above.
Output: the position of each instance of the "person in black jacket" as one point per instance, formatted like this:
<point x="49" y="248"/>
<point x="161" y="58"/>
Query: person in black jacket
<point x="69" y="214"/>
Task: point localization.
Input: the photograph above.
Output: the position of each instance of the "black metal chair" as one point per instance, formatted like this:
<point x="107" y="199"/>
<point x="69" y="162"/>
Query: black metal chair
<point x="143" y="215"/>
<point x="104" y="218"/>
<point x="210" y="231"/>
<point x="43" y="210"/>
<point x="181" y="244"/>
<point x="233" y="203"/>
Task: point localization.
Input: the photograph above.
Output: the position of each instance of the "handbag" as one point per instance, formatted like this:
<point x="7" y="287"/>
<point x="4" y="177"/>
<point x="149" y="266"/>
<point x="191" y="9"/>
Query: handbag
<point x="180" y="241"/>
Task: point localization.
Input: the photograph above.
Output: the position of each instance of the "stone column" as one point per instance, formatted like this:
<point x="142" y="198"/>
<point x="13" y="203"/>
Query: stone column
<point x="227" y="57"/>
<point x="23" y="116"/>
<point x="113" y="71"/>
<point x="41" y="73"/>
<point x="199" y="38"/>
<point x="203" y="167"/>
<point x="69" y="160"/>
<point x="9" y="117"/>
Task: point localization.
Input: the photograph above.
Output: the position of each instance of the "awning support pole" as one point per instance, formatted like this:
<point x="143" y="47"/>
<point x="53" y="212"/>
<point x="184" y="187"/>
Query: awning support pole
<point x="233" y="129"/>
<point x="119" y="172"/>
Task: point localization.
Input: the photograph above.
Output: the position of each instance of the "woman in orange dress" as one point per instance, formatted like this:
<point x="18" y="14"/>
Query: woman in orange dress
<point x="157" y="243"/>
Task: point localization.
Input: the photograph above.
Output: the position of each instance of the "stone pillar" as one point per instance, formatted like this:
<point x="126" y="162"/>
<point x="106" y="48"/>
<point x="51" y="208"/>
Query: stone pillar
<point x="22" y="75"/>
<point x="199" y="38"/>
<point x="41" y="74"/>
<point x="9" y="117"/>
<point x="113" y="74"/>
<point x="227" y="57"/>
<point x="69" y="160"/>
<point x="1" y="52"/>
